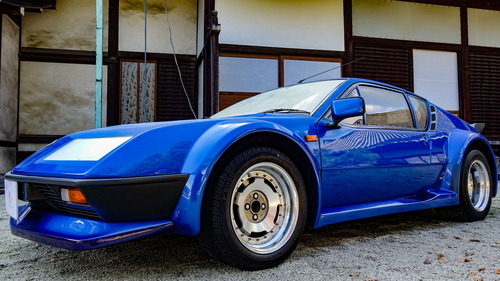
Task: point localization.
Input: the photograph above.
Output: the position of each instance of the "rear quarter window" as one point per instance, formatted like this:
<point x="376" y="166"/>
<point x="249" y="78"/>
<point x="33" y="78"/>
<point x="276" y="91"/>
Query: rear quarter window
<point x="421" y="112"/>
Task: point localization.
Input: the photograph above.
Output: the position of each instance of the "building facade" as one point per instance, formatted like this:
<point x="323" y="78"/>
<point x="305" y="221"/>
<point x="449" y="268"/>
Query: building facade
<point x="227" y="50"/>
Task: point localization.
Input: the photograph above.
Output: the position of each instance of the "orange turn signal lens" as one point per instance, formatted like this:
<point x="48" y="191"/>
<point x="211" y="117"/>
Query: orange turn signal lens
<point x="73" y="195"/>
<point x="311" y="138"/>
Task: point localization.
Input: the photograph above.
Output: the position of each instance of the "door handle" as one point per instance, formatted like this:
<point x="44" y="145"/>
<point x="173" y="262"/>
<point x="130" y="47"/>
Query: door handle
<point x="424" y="138"/>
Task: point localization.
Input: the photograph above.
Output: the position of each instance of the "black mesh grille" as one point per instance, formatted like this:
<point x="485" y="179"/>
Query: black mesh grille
<point x="54" y="203"/>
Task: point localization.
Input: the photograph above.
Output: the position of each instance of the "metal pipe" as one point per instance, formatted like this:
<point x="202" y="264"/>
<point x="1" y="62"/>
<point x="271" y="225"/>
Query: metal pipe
<point x="98" y="64"/>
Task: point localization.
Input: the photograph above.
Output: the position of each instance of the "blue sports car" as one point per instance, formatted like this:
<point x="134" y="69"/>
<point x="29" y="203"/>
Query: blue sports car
<point x="251" y="178"/>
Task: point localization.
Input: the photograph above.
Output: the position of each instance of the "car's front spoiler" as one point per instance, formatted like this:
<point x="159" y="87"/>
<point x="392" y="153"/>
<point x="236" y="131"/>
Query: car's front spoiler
<point x="78" y="234"/>
<point x="146" y="198"/>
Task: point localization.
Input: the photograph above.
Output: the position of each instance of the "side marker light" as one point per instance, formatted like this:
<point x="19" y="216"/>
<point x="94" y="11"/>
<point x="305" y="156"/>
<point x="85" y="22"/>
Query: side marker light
<point x="311" y="138"/>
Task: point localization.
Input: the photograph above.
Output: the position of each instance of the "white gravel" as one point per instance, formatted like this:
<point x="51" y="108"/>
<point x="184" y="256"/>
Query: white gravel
<point x="410" y="246"/>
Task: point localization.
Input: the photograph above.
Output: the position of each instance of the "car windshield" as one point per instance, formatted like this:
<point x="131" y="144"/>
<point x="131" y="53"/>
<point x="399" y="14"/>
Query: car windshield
<point x="300" y="98"/>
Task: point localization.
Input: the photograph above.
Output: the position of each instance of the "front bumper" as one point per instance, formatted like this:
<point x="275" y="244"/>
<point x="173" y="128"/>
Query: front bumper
<point x="119" y="209"/>
<point x="82" y="234"/>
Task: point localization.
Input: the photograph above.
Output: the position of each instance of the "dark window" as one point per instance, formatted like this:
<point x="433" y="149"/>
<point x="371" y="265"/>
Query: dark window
<point x="386" y="108"/>
<point x="421" y="112"/>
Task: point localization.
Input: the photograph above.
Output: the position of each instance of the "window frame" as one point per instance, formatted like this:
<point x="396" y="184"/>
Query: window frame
<point x="427" y="125"/>
<point x="327" y="115"/>
<point x="281" y="68"/>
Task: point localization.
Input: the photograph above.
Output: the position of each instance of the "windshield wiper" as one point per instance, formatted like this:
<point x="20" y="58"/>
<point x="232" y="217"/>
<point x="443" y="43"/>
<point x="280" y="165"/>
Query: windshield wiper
<point x="286" y="110"/>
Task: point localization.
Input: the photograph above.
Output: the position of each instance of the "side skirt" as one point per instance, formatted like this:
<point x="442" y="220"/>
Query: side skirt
<point x="435" y="198"/>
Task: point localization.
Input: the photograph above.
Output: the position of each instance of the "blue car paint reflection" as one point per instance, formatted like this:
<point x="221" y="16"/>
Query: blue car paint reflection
<point x="374" y="165"/>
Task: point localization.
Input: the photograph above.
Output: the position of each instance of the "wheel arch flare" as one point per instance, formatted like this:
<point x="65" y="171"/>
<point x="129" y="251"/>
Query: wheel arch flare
<point x="222" y="141"/>
<point x="460" y="144"/>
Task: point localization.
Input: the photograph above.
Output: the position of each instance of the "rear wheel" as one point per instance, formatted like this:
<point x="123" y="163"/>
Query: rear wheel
<point x="476" y="189"/>
<point x="255" y="210"/>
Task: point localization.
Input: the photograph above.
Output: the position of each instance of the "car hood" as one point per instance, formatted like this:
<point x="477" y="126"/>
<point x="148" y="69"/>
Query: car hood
<point x="135" y="150"/>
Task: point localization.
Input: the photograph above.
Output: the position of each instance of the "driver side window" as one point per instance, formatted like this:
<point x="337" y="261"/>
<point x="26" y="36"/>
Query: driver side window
<point x="386" y="108"/>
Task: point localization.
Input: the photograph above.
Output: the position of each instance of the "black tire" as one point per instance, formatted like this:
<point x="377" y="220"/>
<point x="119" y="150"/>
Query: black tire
<point x="476" y="189"/>
<point x="259" y="185"/>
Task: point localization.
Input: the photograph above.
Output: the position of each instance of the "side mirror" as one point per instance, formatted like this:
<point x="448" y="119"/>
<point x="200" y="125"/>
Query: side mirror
<point x="345" y="108"/>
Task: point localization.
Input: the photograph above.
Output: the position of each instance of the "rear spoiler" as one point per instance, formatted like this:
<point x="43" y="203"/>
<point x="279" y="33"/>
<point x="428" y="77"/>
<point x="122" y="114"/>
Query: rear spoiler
<point x="478" y="126"/>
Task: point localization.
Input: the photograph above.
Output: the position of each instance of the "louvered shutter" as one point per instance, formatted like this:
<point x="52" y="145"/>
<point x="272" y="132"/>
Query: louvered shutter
<point x="485" y="92"/>
<point x="385" y="64"/>
<point x="172" y="102"/>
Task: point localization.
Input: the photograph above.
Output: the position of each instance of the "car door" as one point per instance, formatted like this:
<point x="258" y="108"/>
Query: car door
<point x="379" y="156"/>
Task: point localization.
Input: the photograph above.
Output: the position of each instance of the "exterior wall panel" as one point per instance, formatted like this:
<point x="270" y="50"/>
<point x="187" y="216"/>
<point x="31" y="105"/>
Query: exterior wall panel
<point x="9" y="73"/>
<point x="57" y="98"/>
<point x="71" y="26"/>
<point x="183" y="18"/>
<point x="484" y="28"/>
<point x="8" y="159"/>
<point x="316" y="24"/>
<point x="9" y="79"/>
<point x="406" y="21"/>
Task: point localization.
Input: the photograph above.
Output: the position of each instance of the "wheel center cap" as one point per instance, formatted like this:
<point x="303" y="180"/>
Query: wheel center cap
<point x="256" y="206"/>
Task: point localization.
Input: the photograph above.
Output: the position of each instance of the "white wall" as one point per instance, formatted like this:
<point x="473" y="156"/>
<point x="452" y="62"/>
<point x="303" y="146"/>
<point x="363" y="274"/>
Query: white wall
<point x="314" y="24"/>
<point x="8" y="90"/>
<point x="8" y="79"/>
<point x="70" y="27"/>
<point x="183" y="18"/>
<point x="201" y="27"/>
<point x="7" y="159"/>
<point x="484" y="28"/>
<point x="406" y="21"/>
<point x="57" y="98"/>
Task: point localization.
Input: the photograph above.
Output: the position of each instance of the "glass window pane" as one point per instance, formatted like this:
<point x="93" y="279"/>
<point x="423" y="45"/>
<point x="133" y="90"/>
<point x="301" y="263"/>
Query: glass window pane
<point x="386" y="108"/>
<point x="435" y="75"/>
<point x="353" y="93"/>
<point x="249" y="75"/>
<point x="306" y="97"/>
<point x="421" y="112"/>
<point x="296" y="70"/>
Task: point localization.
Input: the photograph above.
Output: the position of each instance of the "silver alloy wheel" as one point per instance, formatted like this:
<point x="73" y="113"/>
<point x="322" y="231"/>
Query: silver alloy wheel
<point x="265" y="208"/>
<point x="478" y="185"/>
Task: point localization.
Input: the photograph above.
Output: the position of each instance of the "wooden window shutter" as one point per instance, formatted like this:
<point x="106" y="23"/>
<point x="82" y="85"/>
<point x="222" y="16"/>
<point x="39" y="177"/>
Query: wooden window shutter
<point x="172" y="102"/>
<point x="485" y="92"/>
<point x="385" y="64"/>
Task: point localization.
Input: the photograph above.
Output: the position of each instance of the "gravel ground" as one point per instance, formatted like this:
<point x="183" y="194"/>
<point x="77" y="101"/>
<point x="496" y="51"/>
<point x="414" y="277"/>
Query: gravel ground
<point x="410" y="246"/>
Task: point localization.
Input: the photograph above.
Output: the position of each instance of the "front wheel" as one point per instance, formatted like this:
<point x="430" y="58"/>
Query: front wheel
<point x="255" y="210"/>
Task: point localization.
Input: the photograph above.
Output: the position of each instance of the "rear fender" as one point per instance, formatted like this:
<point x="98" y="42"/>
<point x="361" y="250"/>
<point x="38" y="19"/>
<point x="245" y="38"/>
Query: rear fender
<point x="460" y="143"/>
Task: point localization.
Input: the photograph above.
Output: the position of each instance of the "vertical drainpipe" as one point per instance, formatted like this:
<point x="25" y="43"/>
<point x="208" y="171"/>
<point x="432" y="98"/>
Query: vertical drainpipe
<point x="98" y="64"/>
